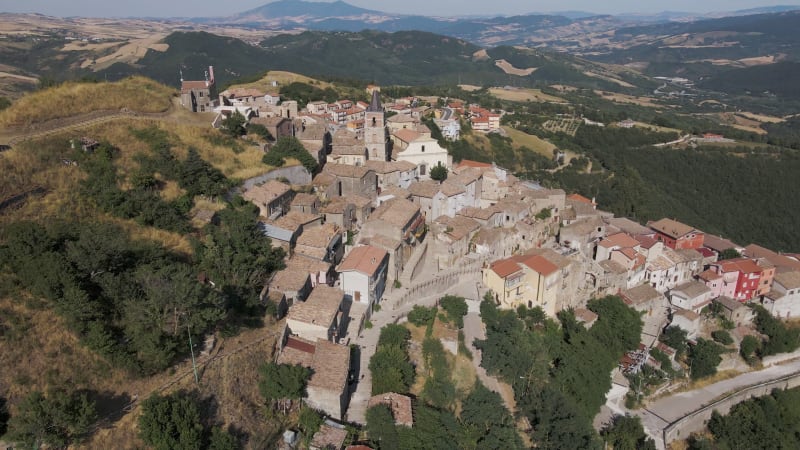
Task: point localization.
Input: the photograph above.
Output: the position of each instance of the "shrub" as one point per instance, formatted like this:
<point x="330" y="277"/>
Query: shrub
<point x="722" y="336"/>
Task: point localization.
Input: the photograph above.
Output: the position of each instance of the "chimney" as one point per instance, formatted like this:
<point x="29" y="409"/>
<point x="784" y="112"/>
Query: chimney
<point x="211" y="75"/>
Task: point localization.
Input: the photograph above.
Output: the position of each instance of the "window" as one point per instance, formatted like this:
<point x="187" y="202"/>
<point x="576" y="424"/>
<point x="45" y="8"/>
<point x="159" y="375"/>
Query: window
<point x="201" y="93"/>
<point x="423" y="149"/>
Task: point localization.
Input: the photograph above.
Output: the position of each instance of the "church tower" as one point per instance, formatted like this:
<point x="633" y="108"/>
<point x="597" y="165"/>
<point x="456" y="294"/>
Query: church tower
<point x="375" y="129"/>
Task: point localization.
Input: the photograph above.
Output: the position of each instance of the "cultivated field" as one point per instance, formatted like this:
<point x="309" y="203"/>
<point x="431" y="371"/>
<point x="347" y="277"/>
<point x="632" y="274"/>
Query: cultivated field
<point x="522" y="139"/>
<point x="566" y="125"/>
<point x="524" y="95"/>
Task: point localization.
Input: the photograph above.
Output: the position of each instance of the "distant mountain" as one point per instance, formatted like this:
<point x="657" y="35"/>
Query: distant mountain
<point x="404" y="58"/>
<point x="302" y="11"/>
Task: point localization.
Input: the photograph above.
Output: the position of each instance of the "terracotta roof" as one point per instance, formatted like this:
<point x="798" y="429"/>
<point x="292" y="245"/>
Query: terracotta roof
<point x="397" y="211"/>
<point x="359" y="200"/>
<point x="554" y="257"/>
<point x="320" y="308"/>
<point x="324" y="179"/>
<point x="629" y="253"/>
<point x="465" y="177"/>
<point x="407" y="135"/>
<point x="621" y="240"/>
<point x="646" y="241"/>
<point x="505" y="267"/>
<point x="299" y="262"/>
<point x="365" y="259"/>
<point x="242" y="92"/>
<point x="742" y="265"/>
<point x="470" y="163"/>
<point x="297" y="352"/>
<point x="399" y="405"/>
<point x="397" y="192"/>
<point x="401" y="118"/>
<point x="613" y="267"/>
<point x="320" y="236"/>
<point x="190" y="85"/>
<point x="579" y="198"/>
<point x="671" y="228"/>
<point x="539" y="264"/>
<point x="789" y="280"/>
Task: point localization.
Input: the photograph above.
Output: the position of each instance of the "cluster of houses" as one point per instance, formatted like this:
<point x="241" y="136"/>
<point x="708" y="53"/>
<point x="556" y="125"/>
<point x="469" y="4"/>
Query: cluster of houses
<point x="372" y="217"/>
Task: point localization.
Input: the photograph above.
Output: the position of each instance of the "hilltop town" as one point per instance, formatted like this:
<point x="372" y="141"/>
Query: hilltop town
<point x="388" y="220"/>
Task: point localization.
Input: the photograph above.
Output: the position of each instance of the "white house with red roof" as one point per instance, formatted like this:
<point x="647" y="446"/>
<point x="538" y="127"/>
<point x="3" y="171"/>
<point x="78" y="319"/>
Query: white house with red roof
<point x="362" y="274"/>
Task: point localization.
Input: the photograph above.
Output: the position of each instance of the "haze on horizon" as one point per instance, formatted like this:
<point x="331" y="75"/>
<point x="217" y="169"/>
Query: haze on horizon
<point x="214" y="8"/>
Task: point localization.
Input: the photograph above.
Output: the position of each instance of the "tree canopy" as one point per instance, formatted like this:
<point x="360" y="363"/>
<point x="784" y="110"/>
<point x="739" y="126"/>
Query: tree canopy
<point x="282" y="381"/>
<point x="171" y="422"/>
<point x="57" y="419"/>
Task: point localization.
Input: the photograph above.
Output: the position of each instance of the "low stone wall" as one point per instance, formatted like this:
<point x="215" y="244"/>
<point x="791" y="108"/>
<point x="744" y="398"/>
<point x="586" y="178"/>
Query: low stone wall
<point x="697" y="420"/>
<point x="438" y="285"/>
<point x="297" y="175"/>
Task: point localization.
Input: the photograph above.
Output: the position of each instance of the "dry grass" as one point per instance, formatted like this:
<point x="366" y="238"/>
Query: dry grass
<point x="283" y="78"/>
<point x="656" y="128"/>
<point x="761" y="117"/>
<point x="508" y="68"/>
<point x="610" y="79"/>
<point x="470" y="87"/>
<point x="522" y="139"/>
<point x="70" y="99"/>
<point x="524" y="95"/>
<point x="624" y="98"/>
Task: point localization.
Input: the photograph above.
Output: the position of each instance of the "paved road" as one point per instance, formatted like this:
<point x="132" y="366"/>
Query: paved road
<point x="659" y="414"/>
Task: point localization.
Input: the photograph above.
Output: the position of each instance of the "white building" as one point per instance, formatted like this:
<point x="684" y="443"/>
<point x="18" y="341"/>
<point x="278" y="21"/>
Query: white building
<point x="420" y="150"/>
<point x="692" y="295"/>
<point x="363" y="274"/>
<point x="783" y="300"/>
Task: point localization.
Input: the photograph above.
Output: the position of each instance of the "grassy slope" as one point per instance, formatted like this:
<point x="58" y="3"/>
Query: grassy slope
<point x="71" y="99"/>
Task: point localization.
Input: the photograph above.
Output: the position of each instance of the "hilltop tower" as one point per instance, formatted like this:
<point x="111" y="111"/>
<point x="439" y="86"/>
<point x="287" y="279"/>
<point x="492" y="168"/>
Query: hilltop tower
<point x="375" y="129"/>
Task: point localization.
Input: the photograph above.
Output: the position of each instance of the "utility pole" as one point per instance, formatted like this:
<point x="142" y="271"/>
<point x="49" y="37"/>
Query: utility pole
<point x="191" y="349"/>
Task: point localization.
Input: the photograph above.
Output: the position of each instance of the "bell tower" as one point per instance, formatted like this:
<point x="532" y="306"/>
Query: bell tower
<point x="375" y="129"/>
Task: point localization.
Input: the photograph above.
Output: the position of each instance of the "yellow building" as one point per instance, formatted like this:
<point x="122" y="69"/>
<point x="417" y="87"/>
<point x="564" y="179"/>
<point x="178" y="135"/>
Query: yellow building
<point x="529" y="280"/>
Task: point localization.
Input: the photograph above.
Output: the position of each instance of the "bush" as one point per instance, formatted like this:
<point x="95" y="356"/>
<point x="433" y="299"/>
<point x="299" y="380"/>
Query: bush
<point x="421" y="315"/>
<point x="722" y="336"/>
<point x="171" y="422"/>
<point x="455" y="308"/>
<point x="705" y="357"/>
<point x="748" y="348"/>
<point x="439" y="173"/>
<point x="55" y="420"/>
<point x="289" y="147"/>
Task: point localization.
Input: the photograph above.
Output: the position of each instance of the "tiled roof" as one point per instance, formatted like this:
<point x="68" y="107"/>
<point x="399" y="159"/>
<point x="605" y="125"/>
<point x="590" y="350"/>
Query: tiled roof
<point x="628" y="226"/>
<point x="539" y="264"/>
<point x="740" y="265"/>
<point x="470" y="163"/>
<point x="331" y="366"/>
<point x="789" y="280"/>
<point x="384" y="167"/>
<point x="266" y="192"/>
<point x="756" y="251"/>
<point x="303" y="199"/>
<point x="459" y="226"/>
<point x="477" y="213"/>
<point x="717" y="243"/>
<point x="728" y="303"/>
<point x="288" y="280"/>
<point x="294" y="220"/>
<point x="640" y="294"/>
<point x="346" y="171"/>
<point x="320" y="308"/>
<point x="383" y="242"/>
<point x="397" y="192"/>
<point x="337" y="205"/>
<point x="329" y="437"/>
<point x="709" y="275"/>
<point x="693" y="288"/>
<point x="300" y="262"/>
<point x="407" y="135"/>
<point x="450" y="189"/>
<point x="671" y="228"/>
<point x="579" y="198"/>
<point x="365" y="259"/>
<point x="397" y="211"/>
<point x="426" y="189"/>
<point x="324" y="179"/>
<point x="505" y="267"/>
<point x="621" y="240"/>
<point x="584" y="315"/>
<point x="320" y="236"/>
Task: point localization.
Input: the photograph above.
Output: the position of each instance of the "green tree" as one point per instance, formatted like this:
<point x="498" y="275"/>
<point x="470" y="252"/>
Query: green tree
<point x="4" y="103"/>
<point x="483" y="411"/>
<point x="171" y="422"/>
<point x="234" y="125"/>
<point x="259" y="130"/>
<point x="55" y="420"/>
<point x="282" y="381"/>
<point x="394" y="334"/>
<point x="309" y="421"/>
<point x="289" y="147"/>
<point x="722" y="336"/>
<point x="626" y="433"/>
<point x="730" y="253"/>
<point x="222" y="440"/>
<point x="200" y="178"/>
<point x="391" y="370"/>
<point x="675" y="337"/>
<point x="456" y="309"/>
<point x="704" y="358"/>
<point x="748" y="348"/>
<point x="421" y="315"/>
<point x="438" y="173"/>
<point x="381" y="428"/>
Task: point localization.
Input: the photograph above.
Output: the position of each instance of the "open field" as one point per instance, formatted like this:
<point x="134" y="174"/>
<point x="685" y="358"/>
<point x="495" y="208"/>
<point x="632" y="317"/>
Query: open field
<point x="522" y="139"/>
<point x="761" y="117"/>
<point x="607" y="78"/>
<point x="624" y="98"/>
<point x="656" y="128"/>
<point x="524" y="95"/>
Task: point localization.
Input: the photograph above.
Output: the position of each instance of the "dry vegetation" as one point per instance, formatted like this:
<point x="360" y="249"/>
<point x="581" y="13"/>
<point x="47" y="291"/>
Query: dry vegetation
<point x="624" y="98"/>
<point x="283" y="78"/>
<point x="522" y="139"/>
<point x="524" y="95"/>
<point x="508" y="68"/>
<point x="70" y="99"/>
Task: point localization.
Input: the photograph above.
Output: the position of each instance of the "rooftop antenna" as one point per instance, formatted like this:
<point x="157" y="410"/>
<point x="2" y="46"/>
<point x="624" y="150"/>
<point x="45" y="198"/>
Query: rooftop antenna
<point x="181" y="72"/>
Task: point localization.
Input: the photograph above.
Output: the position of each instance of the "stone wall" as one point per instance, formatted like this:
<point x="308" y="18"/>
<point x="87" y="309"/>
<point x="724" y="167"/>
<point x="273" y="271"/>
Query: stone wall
<point x="297" y="175"/>
<point x="697" y="421"/>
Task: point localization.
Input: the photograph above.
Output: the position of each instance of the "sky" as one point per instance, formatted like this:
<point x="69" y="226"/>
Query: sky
<point x="212" y="8"/>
